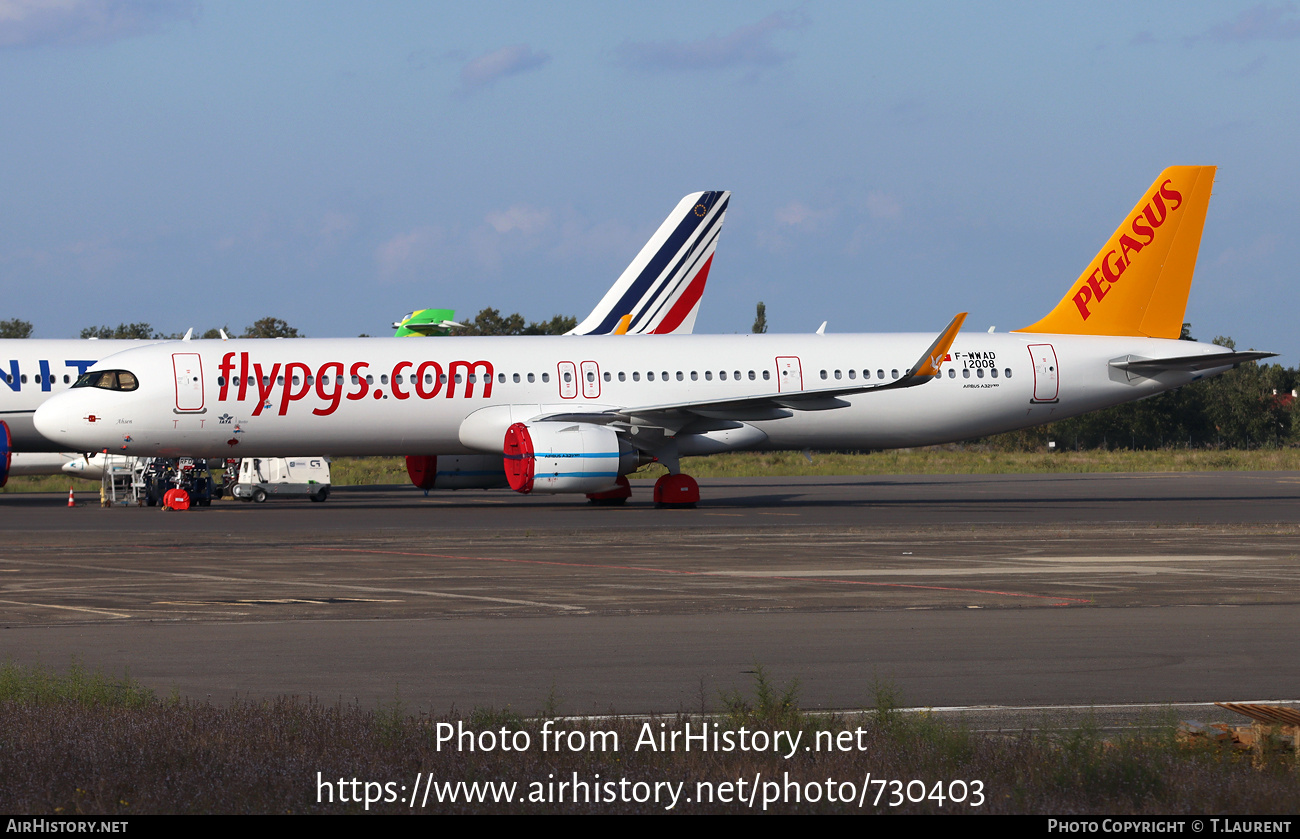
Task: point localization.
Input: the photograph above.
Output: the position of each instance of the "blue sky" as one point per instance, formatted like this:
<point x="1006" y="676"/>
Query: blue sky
<point x="196" y="164"/>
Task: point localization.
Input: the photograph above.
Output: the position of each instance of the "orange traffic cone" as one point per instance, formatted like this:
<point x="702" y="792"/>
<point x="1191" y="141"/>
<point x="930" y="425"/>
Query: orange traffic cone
<point x="72" y="501"/>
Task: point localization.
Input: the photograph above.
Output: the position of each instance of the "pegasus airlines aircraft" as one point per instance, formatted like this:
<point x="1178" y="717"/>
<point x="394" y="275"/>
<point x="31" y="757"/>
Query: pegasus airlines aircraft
<point x="659" y="292"/>
<point x="576" y="414"/>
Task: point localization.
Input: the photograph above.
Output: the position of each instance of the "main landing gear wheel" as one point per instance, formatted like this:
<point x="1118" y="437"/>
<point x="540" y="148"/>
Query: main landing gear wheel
<point x="677" y="491"/>
<point x="612" y="497"/>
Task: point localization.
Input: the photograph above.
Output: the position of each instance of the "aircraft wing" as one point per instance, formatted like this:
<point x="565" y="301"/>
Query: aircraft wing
<point x="674" y="416"/>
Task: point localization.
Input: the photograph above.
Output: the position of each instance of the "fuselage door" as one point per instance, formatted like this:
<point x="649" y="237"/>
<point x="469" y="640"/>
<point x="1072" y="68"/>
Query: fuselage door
<point x="590" y="380"/>
<point x="189" y="382"/>
<point x="568" y="379"/>
<point x="789" y="373"/>
<point x="1047" y="386"/>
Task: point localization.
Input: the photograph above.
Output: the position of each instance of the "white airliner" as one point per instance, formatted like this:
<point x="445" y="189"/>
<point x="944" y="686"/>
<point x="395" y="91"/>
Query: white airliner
<point x="576" y="414"/>
<point x="658" y="293"/>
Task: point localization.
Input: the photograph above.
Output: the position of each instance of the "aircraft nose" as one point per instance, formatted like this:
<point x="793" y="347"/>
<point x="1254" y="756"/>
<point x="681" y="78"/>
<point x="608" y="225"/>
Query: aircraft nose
<point x="53" y="418"/>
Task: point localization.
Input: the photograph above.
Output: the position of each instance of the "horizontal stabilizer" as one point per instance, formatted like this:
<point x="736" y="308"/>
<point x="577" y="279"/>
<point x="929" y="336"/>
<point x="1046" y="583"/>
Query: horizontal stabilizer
<point x="1188" y="363"/>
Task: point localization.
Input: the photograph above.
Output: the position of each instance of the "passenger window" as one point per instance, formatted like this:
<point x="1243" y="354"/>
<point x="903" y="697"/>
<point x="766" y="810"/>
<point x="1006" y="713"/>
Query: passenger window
<point x="650" y="376"/>
<point x="853" y="374"/>
<point x="546" y="377"/>
<point x="501" y="377"/>
<point x="708" y="375"/>
<point x="1007" y="372"/>
<point x="622" y="377"/>
<point x="823" y="374"/>
<point x="636" y="377"/>
<point x="965" y="373"/>
<point x="530" y="378"/>
<point x="837" y="374"/>
<point x="679" y="375"/>
<point x="994" y="372"/>
<point x="767" y="374"/>
<point x="516" y="378"/>
<point x="607" y="376"/>
<point x="979" y="374"/>
<point x="694" y="376"/>
<point x="567" y="377"/>
<point x="880" y="374"/>
<point x="952" y="372"/>
<point x="894" y="373"/>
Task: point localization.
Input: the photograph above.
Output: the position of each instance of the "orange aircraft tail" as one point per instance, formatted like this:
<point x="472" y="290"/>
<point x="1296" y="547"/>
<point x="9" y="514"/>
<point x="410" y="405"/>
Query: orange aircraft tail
<point x="1138" y="283"/>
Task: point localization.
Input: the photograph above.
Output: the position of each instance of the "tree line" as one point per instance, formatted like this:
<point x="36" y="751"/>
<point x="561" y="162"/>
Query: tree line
<point x="487" y="322"/>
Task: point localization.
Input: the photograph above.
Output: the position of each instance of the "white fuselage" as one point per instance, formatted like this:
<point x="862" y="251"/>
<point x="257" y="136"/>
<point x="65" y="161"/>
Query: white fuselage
<point x="384" y="397"/>
<point x="32" y="370"/>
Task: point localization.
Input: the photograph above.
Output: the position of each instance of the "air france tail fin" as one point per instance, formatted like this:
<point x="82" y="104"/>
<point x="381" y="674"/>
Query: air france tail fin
<point x="660" y="291"/>
<point x="1138" y="283"/>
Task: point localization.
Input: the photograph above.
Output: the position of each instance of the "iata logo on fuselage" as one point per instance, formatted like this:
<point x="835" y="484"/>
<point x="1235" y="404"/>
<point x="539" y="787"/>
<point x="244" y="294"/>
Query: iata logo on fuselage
<point x="1117" y="260"/>
<point x="330" y="385"/>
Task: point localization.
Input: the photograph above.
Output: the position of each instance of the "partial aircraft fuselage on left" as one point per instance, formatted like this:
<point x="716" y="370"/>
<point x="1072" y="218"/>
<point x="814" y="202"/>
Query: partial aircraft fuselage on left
<point x="34" y="369"/>
<point x="576" y="414"/>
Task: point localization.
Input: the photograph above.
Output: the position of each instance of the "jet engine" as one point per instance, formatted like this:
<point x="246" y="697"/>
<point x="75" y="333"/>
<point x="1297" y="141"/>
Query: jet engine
<point x="566" y="457"/>
<point x="458" y="471"/>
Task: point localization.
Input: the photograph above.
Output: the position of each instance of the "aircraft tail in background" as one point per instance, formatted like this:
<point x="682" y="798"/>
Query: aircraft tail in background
<point x="660" y="291"/>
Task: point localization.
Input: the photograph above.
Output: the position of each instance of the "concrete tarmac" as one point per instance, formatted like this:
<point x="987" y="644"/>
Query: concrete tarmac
<point x="957" y="590"/>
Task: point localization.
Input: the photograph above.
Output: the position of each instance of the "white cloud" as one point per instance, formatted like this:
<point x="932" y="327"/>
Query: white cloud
<point x="30" y="23"/>
<point x="1258" y="23"/>
<point x="524" y="219"/>
<point x="800" y="216"/>
<point x="491" y="67"/>
<point x="748" y="46"/>
<point x="405" y="252"/>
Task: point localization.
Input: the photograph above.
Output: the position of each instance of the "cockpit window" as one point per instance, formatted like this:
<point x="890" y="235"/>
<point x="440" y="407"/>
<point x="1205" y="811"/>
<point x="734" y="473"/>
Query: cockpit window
<point x="108" y="379"/>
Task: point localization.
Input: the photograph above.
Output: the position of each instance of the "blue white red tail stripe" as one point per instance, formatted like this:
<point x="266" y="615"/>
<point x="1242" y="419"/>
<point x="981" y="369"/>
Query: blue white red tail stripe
<point x="666" y="271"/>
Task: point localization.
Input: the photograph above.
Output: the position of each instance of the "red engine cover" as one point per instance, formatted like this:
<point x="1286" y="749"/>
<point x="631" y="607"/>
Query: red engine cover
<point x="519" y="458"/>
<point x="677" y="491"/>
<point x="423" y="470"/>
<point x="176" y="499"/>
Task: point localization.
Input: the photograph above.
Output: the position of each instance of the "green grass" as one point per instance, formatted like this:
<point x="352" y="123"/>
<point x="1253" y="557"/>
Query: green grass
<point x="967" y="460"/>
<point x="933" y="460"/>
<point x="37" y="685"/>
